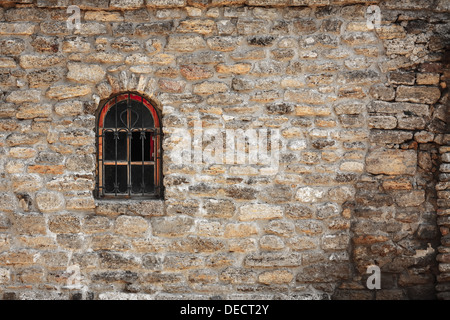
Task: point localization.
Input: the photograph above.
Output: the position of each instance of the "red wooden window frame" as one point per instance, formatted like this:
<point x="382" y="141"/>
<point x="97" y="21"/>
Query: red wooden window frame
<point x="155" y="156"/>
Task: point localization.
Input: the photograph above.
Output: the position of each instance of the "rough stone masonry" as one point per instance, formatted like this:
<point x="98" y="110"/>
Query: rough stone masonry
<point x="364" y="167"/>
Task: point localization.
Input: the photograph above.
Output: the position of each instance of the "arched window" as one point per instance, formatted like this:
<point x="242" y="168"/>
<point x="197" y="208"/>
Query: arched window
<point x="128" y="148"/>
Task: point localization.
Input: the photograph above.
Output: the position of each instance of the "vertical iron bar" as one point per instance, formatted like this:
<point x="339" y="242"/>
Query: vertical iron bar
<point x="103" y="165"/>
<point x="97" y="173"/>
<point x="142" y="144"/>
<point x="129" y="137"/>
<point x="116" y="186"/>
<point x="156" y="161"/>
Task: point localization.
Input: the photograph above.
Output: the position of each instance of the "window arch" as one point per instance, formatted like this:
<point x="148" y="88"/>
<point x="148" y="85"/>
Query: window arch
<point x="128" y="148"/>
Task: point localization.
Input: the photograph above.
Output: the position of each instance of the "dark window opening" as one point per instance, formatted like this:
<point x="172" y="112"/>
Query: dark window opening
<point x="128" y="149"/>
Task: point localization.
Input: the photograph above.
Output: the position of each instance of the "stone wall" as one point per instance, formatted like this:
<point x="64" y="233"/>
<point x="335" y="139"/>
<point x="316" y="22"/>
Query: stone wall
<point x="363" y="167"/>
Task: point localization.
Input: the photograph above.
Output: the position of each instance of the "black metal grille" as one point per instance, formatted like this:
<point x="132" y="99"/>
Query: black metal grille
<point x="129" y="153"/>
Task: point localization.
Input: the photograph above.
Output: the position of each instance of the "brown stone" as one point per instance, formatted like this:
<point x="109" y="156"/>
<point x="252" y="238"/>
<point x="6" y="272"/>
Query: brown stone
<point x="195" y="72"/>
<point x="46" y="169"/>
<point x="418" y="94"/>
<point x="392" y="162"/>
<point x="61" y="92"/>
<point x="131" y="226"/>
<point x="64" y="223"/>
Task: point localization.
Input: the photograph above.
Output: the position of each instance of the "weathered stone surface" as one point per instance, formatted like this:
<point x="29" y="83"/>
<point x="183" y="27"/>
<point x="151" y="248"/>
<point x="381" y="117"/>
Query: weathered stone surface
<point x="7" y="62"/>
<point x="11" y="46"/>
<point x="418" y="94"/>
<point x="69" y="108"/>
<point x="392" y="162"/>
<point x="185" y="43"/>
<point x="126" y="4"/>
<point x="271" y="242"/>
<point x="26" y="183"/>
<point x="131" y="226"/>
<point x="110" y="242"/>
<point x="259" y="211"/>
<point x="20" y="96"/>
<point x="154" y="28"/>
<point x="33" y="110"/>
<point x="238" y="68"/>
<point x="50" y="201"/>
<point x="172" y="226"/>
<point x="381" y="137"/>
<point x="219" y="208"/>
<point x="308" y="194"/>
<point x="85" y="73"/>
<point x="240" y="230"/>
<point x="202" y="26"/>
<point x="45" y="77"/>
<point x="39" y="61"/>
<point x="308" y="96"/>
<point x="16" y="28"/>
<point x="273" y="259"/>
<point x="64" y="223"/>
<point x="210" y="87"/>
<point x="363" y="168"/>
<point x="72" y="44"/>
<point x="61" y="92"/>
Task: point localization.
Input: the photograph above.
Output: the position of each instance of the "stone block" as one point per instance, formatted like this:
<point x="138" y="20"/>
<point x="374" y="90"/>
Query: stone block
<point x="183" y="261"/>
<point x="308" y="227"/>
<point x="185" y="43"/>
<point x="382" y="122"/>
<point x="273" y="259"/>
<point x="103" y="16"/>
<point x="298" y="243"/>
<point x="224" y="43"/>
<point x="17" y="28"/>
<point x="126" y="4"/>
<point x="308" y="194"/>
<point x="26" y="183"/>
<point x="12" y="46"/>
<point x="240" y="230"/>
<point x="83" y="73"/>
<point x="259" y="211"/>
<point x="69" y="108"/>
<point x="110" y="242"/>
<point x="210" y="87"/>
<point x="29" y="224"/>
<point x="40" y="78"/>
<point x="131" y="226"/>
<point x="21" y="96"/>
<point x="61" y="92"/>
<point x="7" y="62"/>
<point x="218" y="208"/>
<point x="165" y="3"/>
<point x="72" y="44"/>
<point x="392" y="162"/>
<point x="201" y="26"/>
<point x="411" y="198"/>
<point x="237" y="275"/>
<point x="172" y="226"/>
<point x="418" y="94"/>
<point x="21" y="258"/>
<point x="271" y="242"/>
<point x="154" y="28"/>
<point x="381" y="137"/>
<point x="64" y="223"/>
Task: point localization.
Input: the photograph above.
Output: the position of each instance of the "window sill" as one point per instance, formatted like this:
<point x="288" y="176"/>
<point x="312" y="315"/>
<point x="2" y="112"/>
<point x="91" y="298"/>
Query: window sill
<point x="140" y="207"/>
